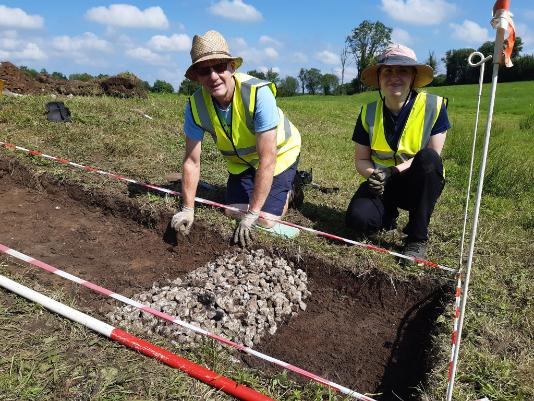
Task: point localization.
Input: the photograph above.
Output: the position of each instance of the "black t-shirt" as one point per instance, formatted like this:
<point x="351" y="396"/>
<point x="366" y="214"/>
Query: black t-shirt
<point x="394" y="125"/>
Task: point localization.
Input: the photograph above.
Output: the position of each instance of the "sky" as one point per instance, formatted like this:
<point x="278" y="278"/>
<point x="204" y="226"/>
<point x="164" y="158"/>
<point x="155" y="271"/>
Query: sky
<point x="152" y="39"/>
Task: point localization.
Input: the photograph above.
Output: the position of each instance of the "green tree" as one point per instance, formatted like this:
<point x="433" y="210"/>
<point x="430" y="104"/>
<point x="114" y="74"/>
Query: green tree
<point x="313" y="80"/>
<point x="432" y="61"/>
<point x="288" y="86"/>
<point x="85" y="77"/>
<point x="272" y="76"/>
<point x="29" y="71"/>
<point x="161" y="86"/>
<point x="257" y="74"/>
<point x="366" y="41"/>
<point x="458" y="71"/>
<point x="43" y="71"/>
<point x="188" y="87"/>
<point x="59" y="75"/>
<point x="329" y="83"/>
<point x="302" y="78"/>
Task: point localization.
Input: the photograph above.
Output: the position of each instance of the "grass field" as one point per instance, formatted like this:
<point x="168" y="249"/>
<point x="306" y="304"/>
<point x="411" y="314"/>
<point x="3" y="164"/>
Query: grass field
<point x="497" y="355"/>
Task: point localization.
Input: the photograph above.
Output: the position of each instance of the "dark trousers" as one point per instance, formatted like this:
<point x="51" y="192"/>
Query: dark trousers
<point x="415" y="190"/>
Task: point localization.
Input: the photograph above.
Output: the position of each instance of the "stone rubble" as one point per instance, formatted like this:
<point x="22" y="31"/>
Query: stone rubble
<point x="242" y="295"/>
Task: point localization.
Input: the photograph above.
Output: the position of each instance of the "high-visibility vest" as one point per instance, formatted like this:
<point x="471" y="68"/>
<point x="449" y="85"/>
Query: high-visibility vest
<point x="415" y="135"/>
<point x="239" y="146"/>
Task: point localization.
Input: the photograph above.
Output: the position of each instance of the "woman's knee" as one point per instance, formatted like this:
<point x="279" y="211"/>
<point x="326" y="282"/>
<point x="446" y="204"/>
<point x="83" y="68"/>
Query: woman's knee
<point x="428" y="160"/>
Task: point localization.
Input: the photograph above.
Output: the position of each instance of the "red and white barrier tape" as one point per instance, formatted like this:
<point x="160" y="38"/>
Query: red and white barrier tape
<point x="172" y="319"/>
<point x="207" y="376"/>
<point x="223" y="206"/>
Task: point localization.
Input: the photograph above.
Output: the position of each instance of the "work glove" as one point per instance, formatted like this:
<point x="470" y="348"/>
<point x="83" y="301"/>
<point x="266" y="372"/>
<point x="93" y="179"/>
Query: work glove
<point x="243" y="234"/>
<point x="377" y="180"/>
<point x="182" y="221"/>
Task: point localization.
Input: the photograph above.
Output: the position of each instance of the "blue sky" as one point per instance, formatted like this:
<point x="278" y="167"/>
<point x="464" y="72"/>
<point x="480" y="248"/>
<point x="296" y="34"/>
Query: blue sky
<point x="153" y="38"/>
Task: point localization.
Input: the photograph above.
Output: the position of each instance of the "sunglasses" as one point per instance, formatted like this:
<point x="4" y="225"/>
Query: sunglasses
<point x="218" y="68"/>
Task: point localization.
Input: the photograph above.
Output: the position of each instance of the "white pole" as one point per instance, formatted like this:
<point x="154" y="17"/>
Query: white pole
<point x="55" y="306"/>
<point x="497" y="56"/>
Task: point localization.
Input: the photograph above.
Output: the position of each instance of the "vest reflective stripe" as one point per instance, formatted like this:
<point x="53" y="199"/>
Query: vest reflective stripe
<point x="415" y="135"/>
<point x="201" y="115"/>
<point x="242" y="134"/>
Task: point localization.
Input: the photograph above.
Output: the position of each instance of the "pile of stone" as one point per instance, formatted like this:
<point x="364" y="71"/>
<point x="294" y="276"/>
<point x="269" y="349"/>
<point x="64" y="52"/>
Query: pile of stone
<point x="242" y="295"/>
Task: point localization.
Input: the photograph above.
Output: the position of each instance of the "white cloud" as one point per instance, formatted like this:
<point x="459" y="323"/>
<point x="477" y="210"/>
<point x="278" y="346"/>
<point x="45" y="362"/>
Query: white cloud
<point x="271" y="53"/>
<point x="18" y="18"/>
<point x="87" y="41"/>
<point x="265" y="69"/>
<point x="401" y="36"/>
<point x="9" y="40"/>
<point x="240" y="43"/>
<point x="418" y="12"/>
<point x="30" y="52"/>
<point x="147" y="55"/>
<point x="328" y="57"/>
<point x="267" y="40"/>
<point x="128" y="16"/>
<point x="527" y="36"/>
<point x="235" y="10"/>
<point x="174" y="43"/>
<point x="470" y="32"/>
<point x="299" y="57"/>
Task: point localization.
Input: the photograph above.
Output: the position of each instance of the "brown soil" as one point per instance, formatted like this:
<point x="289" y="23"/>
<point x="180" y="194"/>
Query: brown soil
<point x="370" y="333"/>
<point x="17" y="81"/>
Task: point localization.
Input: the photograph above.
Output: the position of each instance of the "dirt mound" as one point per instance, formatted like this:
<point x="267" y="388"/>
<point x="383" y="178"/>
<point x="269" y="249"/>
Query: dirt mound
<point x="124" y="85"/>
<point x="17" y="81"/>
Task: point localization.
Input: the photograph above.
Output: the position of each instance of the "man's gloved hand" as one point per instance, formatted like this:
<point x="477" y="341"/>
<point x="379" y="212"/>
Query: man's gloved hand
<point x="182" y="221"/>
<point x="377" y="180"/>
<point x="243" y="234"/>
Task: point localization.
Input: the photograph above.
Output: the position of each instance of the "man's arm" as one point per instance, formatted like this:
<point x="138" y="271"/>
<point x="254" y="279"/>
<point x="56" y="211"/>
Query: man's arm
<point x="191" y="171"/>
<point x="266" y="148"/>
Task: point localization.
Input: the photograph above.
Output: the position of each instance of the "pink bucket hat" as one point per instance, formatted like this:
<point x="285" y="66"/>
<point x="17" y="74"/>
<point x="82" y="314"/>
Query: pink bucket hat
<point x="396" y="54"/>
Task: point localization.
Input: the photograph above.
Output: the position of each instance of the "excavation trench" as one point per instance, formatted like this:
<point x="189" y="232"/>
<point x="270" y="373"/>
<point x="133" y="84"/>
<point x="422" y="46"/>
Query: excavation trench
<point x="367" y="332"/>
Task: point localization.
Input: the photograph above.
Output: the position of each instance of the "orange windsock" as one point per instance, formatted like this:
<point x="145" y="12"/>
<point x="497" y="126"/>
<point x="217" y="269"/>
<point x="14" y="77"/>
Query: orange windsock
<point x="502" y="18"/>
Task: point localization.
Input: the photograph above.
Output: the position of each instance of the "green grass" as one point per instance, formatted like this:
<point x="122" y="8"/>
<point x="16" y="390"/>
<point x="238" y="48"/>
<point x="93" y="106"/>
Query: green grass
<point x="496" y="358"/>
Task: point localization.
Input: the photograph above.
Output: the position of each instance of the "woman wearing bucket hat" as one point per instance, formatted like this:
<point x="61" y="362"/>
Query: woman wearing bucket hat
<point x="259" y="143"/>
<point x="399" y="139"/>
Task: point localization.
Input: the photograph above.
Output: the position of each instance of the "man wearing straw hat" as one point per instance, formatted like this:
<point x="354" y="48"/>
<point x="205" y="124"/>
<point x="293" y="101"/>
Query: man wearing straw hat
<point x="399" y="139"/>
<point x="259" y="143"/>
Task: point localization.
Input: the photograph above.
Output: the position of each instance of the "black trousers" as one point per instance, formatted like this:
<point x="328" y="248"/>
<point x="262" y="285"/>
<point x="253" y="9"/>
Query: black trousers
<point x="415" y="190"/>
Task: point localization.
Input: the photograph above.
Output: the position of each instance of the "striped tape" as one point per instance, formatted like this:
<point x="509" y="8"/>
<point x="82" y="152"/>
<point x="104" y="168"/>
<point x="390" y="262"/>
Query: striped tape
<point x="175" y="320"/>
<point x="201" y="373"/>
<point x="231" y="208"/>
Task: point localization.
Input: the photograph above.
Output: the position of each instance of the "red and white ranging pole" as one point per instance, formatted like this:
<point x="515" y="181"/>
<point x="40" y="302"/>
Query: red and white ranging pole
<point x="201" y="373"/>
<point x="502" y="22"/>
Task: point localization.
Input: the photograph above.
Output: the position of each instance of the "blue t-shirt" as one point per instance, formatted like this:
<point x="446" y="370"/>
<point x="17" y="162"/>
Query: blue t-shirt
<point x="394" y="125"/>
<point x="266" y="116"/>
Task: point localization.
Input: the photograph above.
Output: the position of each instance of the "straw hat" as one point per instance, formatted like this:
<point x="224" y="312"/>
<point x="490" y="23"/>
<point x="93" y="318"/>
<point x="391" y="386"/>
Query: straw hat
<point x="400" y="55"/>
<point x="210" y="46"/>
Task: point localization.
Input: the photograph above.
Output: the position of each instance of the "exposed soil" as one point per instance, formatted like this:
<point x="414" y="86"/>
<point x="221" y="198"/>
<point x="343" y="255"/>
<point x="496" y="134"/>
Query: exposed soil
<point x="17" y="81"/>
<point x="370" y="333"/>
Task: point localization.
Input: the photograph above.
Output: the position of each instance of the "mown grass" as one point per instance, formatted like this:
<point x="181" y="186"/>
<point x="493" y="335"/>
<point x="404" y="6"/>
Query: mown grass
<point x="497" y="357"/>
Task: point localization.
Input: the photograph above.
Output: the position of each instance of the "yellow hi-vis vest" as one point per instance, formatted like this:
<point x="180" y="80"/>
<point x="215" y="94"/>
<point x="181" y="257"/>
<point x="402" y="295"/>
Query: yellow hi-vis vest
<point x="239" y="146"/>
<point x="414" y="137"/>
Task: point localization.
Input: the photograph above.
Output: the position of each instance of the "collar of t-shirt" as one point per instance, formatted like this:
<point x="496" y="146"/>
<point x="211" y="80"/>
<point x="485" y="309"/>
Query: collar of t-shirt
<point x="225" y="115"/>
<point x="394" y="124"/>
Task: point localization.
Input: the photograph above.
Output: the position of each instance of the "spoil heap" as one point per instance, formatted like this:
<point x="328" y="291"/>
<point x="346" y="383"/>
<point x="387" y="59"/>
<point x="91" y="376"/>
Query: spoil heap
<point x="123" y="85"/>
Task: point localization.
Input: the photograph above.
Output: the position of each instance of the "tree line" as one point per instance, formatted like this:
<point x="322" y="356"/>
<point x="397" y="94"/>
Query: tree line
<point x="361" y="47"/>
